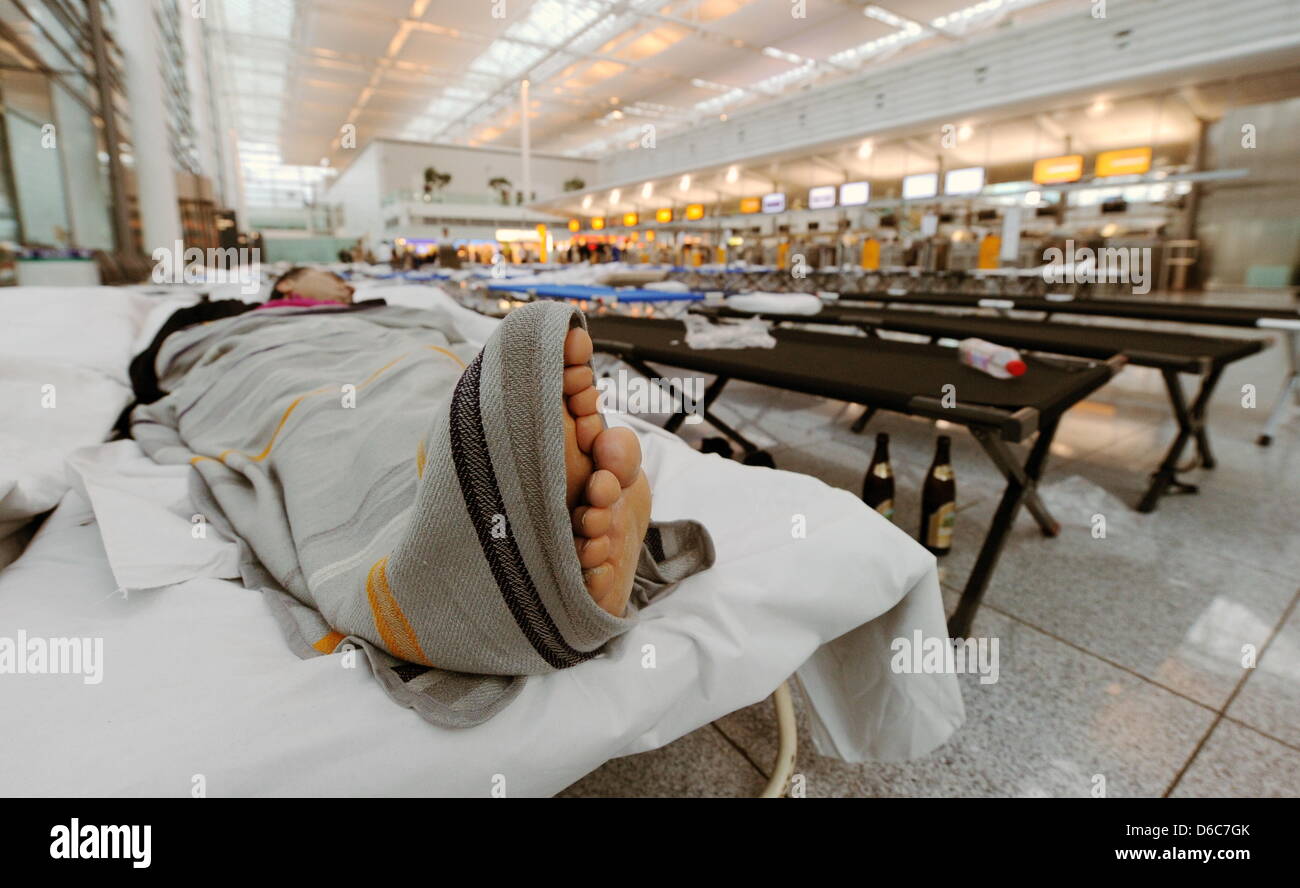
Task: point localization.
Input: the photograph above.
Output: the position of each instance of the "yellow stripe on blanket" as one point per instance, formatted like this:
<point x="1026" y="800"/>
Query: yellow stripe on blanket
<point x="443" y="351"/>
<point x="266" y="451"/>
<point x="328" y="642"/>
<point x="398" y="636"/>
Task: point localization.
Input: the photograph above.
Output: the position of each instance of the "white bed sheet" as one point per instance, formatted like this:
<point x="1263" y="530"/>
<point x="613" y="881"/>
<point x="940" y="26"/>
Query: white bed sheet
<point x="198" y="680"/>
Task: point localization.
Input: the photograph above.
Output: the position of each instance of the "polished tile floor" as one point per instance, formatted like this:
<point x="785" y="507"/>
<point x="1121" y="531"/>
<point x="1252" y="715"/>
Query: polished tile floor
<point x="1121" y="656"/>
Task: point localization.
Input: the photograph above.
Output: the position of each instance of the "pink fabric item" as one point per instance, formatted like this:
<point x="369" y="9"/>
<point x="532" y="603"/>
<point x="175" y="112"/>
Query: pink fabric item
<point x="297" y="302"/>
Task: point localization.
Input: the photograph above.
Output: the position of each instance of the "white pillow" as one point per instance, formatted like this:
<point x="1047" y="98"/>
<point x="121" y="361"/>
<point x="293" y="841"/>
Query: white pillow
<point x="777" y="303"/>
<point x="65" y="355"/>
<point x="89" y="327"/>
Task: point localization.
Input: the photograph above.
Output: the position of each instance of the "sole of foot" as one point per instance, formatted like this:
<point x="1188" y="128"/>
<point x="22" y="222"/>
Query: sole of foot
<point x="607" y="493"/>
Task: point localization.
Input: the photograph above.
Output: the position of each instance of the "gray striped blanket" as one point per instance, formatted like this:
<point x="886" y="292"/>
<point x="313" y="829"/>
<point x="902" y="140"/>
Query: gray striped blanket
<point x="393" y="488"/>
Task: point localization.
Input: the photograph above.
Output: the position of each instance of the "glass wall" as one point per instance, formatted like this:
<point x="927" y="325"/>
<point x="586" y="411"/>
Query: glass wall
<point x="34" y="158"/>
<point x="52" y="147"/>
<point x="176" y="91"/>
<point x="55" y="187"/>
<point x="84" y="171"/>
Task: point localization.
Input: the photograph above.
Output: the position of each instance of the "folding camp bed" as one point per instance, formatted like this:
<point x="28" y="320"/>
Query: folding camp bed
<point x="1285" y="320"/>
<point x="115" y="533"/>
<point x="1170" y="353"/>
<point x="594" y="293"/>
<point x="585" y="294"/>
<point x="420" y="277"/>
<point x="1183" y="312"/>
<point x="730" y="278"/>
<point x="904" y="377"/>
<point x="970" y="284"/>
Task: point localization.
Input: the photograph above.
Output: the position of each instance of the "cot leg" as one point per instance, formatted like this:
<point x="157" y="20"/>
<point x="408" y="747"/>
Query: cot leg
<point x="959" y="624"/>
<point x="1191" y="425"/>
<point x="787" y="744"/>
<point x="1034" y="471"/>
<point x="710" y="395"/>
<point x="1208" y="382"/>
<point x="861" y="422"/>
<point x="1290" y="387"/>
<point x="745" y="444"/>
<point x="674" y="393"/>
<point x="1021" y="485"/>
<point x="701" y="409"/>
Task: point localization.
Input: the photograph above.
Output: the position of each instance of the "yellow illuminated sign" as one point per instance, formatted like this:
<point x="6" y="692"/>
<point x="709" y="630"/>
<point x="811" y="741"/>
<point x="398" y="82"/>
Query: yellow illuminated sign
<point x="1128" y="162"/>
<point x="1054" y="170"/>
<point x="515" y="235"/>
<point x="750" y="204"/>
<point x="630" y="220"/>
<point x="664" y="215"/>
<point x="597" y="223"/>
<point x="695" y="211"/>
<point x="575" y="225"/>
<point x="871" y="254"/>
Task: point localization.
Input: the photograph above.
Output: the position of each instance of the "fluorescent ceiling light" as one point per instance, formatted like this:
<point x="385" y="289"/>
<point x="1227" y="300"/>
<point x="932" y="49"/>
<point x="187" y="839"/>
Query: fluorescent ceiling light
<point x="773" y="53"/>
<point x="889" y="18"/>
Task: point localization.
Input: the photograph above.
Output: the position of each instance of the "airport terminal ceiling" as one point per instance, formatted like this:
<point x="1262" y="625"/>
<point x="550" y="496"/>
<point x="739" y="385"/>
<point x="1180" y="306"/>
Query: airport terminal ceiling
<point x="297" y="71"/>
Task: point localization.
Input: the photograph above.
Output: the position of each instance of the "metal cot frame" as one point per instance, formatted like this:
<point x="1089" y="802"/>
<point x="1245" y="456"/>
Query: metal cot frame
<point x="1189" y="417"/>
<point x="992" y="428"/>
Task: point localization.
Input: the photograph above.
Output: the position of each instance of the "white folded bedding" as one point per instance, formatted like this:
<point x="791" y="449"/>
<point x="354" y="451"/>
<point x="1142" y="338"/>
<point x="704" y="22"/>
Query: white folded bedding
<point x="88" y="327"/>
<point x="64" y="358"/>
<point x="50" y="408"/>
<point x="776" y="303"/>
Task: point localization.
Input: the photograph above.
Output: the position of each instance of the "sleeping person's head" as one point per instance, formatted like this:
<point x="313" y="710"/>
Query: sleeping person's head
<point x="311" y="283"/>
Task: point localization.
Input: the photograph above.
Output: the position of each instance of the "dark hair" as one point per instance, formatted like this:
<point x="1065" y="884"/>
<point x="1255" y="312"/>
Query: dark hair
<point x="284" y="279"/>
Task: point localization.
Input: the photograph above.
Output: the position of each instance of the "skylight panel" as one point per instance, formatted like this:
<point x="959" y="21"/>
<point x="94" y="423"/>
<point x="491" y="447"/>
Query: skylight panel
<point x="505" y="58"/>
<point x="266" y="18"/>
<point x="554" y="22"/>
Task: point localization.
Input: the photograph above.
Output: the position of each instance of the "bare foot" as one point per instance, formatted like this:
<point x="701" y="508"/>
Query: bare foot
<point x="608" y="494"/>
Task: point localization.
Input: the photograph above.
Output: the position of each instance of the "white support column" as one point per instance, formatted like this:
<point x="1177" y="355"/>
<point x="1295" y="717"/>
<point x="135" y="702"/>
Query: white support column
<point x="525" y="142"/>
<point x="155" y="169"/>
<point x="199" y="82"/>
<point x="235" y="199"/>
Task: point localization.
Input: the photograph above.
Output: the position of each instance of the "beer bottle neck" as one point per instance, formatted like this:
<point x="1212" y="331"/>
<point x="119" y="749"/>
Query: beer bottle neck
<point x="942" y="453"/>
<point x="882" y="449"/>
